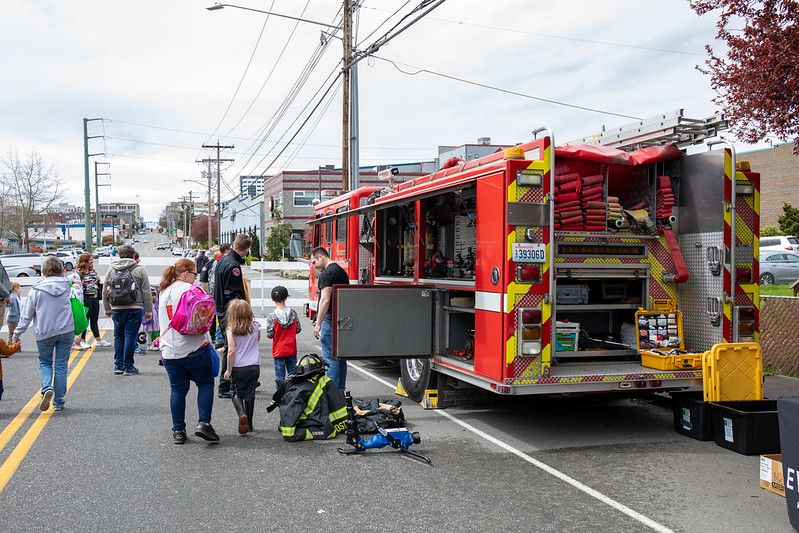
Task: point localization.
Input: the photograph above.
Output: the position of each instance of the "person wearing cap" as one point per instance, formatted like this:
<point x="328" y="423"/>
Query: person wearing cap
<point x="282" y="326"/>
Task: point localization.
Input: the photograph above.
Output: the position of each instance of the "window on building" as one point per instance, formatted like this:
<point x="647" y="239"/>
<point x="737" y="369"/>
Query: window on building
<point x="302" y="198"/>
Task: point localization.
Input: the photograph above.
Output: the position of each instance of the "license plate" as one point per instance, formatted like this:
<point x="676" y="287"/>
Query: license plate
<point x="529" y="252"/>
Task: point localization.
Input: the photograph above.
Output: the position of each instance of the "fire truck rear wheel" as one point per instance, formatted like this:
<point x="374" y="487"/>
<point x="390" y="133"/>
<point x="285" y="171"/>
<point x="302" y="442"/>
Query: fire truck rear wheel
<point x="416" y="375"/>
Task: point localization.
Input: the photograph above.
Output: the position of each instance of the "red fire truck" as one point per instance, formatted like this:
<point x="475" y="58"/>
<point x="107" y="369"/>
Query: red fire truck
<point x="552" y="269"/>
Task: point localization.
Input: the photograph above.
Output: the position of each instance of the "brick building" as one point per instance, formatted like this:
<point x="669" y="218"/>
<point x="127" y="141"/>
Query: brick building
<point x="779" y="179"/>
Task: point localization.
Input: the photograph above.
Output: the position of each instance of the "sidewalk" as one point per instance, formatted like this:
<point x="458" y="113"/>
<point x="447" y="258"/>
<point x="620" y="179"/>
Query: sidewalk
<point x="777" y="386"/>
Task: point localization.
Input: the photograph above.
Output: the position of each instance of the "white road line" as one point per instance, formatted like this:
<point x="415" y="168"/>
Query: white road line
<point x="538" y="464"/>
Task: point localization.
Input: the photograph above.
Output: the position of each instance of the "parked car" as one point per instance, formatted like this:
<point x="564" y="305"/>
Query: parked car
<point x="163" y="246"/>
<point x="102" y="251"/>
<point x="779" y="268"/>
<point x="69" y="259"/>
<point x="783" y="243"/>
<point x="177" y="250"/>
<point x="22" y="271"/>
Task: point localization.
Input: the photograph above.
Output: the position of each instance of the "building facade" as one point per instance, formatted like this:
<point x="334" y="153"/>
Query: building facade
<point x="779" y="179"/>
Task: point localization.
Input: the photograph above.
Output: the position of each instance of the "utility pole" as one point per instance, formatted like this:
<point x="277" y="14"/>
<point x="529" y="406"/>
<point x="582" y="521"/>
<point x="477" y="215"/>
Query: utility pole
<point x="218" y="180"/>
<point x="345" y="136"/>
<point x="87" y="195"/>
<point x="97" y="220"/>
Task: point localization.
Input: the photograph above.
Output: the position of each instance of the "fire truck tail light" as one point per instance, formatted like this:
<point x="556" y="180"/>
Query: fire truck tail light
<point x="746" y="314"/>
<point x="531" y="333"/>
<point x="640" y="384"/>
<point x="746" y="328"/>
<point x="531" y="316"/>
<point x="531" y="347"/>
<point x="529" y="273"/>
<point x="743" y="275"/>
<point x="655" y="383"/>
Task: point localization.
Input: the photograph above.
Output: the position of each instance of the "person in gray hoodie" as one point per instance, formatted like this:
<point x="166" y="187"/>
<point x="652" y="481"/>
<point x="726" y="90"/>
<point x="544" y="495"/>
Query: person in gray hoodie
<point x="48" y="308"/>
<point x="127" y="317"/>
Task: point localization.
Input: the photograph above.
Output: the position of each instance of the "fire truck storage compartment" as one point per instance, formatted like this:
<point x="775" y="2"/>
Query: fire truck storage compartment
<point x="603" y="306"/>
<point x="456" y="334"/>
<point x="450" y="235"/>
<point x="395" y="226"/>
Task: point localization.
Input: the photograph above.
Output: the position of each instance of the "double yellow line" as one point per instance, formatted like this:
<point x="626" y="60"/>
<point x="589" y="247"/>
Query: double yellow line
<point x="12" y="463"/>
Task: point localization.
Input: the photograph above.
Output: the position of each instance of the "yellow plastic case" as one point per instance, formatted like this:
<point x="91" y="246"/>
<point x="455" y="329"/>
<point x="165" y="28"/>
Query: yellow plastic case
<point x="664" y="323"/>
<point x="733" y="372"/>
<point x="686" y="361"/>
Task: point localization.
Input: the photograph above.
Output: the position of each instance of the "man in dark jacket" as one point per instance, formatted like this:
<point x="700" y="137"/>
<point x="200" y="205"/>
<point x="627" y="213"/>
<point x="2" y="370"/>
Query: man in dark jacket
<point x="229" y="285"/>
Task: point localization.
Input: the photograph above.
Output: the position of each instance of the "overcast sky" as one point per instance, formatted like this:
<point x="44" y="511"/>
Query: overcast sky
<point x="167" y="77"/>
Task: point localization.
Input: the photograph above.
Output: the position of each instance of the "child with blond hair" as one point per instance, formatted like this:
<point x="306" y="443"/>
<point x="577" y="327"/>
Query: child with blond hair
<point x="243" y="360"/>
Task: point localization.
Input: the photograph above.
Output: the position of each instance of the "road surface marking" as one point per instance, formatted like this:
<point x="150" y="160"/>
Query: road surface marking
<point x="21" y="450"/>
<point x="538" y="464"/>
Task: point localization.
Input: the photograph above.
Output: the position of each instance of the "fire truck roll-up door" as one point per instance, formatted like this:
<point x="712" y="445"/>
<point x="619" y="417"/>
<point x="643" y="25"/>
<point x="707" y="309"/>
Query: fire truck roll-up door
<point x="382" y="322"/>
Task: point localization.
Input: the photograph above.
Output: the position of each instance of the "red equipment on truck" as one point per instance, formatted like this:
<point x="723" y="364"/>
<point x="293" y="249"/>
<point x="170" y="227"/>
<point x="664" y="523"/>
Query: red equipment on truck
<point x="552" y="269"/>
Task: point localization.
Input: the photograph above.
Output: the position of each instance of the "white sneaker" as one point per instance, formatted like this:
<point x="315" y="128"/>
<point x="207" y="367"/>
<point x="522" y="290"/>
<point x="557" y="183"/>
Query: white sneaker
<point x="102" y="342"/>
<point x="85" y="345"/>
<point x="76" y="347"/>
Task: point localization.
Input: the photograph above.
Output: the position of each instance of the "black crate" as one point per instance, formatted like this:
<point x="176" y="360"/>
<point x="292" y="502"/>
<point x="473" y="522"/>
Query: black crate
<point x="692" y="415"/>
<point x="747" y="427"/>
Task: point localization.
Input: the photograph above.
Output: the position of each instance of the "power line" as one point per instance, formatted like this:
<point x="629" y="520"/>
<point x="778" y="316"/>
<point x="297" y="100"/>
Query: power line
<point x="499" y="89"/>
<point x="561" y="37"/>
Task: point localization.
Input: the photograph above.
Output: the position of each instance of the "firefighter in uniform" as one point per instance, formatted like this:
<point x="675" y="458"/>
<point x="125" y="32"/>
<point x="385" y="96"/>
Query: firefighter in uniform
<point x="229" y="285"/>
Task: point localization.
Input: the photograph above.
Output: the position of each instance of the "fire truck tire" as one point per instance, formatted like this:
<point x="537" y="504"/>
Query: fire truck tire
<point x="416" y="375"/>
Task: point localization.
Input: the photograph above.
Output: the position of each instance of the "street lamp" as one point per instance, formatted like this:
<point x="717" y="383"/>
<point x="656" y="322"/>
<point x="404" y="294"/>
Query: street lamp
<point x="97" y="222"/>
<point x="218" y="6"/>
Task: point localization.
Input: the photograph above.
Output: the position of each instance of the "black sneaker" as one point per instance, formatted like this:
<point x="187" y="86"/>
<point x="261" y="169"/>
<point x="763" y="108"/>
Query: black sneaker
<point x="131" y="371"/>
<point x="118" y="370"/>
<point x="206" y="431"/>
<point x="179" y="436"/>
<point x="224" y="394"/>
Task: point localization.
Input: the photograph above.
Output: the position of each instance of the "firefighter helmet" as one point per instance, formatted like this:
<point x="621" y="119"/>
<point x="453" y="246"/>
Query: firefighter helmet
<point x="308" y="365"/>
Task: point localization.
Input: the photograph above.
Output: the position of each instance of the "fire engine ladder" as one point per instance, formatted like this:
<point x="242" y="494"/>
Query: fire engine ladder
<point x="671" y="127"/>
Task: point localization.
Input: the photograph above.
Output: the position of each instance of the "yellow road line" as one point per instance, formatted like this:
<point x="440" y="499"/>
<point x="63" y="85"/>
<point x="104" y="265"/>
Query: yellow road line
<point x="21" y="450"/>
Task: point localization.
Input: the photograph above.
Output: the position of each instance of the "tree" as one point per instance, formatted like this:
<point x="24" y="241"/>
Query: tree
<point x="758" y="82"/>
<point x="255" y="246"/>
<point x="199" y="228"/>
<point x="769" y="231"/>
<point x="30" y="187"/>
<point x="789" y="221"/>
<point x="278" y="238"/>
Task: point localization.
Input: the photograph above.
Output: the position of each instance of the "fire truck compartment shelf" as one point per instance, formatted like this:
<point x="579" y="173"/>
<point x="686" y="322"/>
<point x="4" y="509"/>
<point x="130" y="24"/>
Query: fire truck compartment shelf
<point x="595" y="307"/>
<point x="449" y="283"/>
<point x="456" y="309"/>
<point x="585" y="354"/>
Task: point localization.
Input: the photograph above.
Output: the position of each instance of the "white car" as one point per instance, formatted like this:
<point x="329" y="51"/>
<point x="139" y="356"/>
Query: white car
<point x="783" y="243"/>
<point x="22" y="271"/>
<point x="177" y="250"/>
<point x="69" y="259"/>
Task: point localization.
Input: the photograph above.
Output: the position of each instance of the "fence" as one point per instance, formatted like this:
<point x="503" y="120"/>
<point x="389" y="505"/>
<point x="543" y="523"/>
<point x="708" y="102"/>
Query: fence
<point x="779" y="333"/>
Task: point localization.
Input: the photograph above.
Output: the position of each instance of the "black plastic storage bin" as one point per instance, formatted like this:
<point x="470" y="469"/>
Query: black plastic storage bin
<point x="692" y="414"/>
<point x="748" y="427"/>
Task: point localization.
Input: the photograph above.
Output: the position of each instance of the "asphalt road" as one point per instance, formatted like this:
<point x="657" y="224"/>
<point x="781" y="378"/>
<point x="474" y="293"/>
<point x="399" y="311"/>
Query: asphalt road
<point x="107" y="463"/>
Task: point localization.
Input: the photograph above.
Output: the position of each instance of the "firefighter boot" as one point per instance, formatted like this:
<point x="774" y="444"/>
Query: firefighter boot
<point x="249" y="405"/>
<point x="240" y="411"/>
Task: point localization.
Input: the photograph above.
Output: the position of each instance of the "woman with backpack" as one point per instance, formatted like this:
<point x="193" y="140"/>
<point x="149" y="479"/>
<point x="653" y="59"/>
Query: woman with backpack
<point x="186" y="357"/>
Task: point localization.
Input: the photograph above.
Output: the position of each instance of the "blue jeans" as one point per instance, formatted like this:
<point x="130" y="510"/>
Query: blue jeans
<point x="283" y="367"/>
<point x="196" y="367"/>
<point x="53" y="370"/>
<point x="126" y="331"/>
<point x="337" y="371"/>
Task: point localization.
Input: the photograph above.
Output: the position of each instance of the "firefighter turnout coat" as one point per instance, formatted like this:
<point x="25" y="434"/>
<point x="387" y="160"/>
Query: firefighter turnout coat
<point x="311" y="408"/>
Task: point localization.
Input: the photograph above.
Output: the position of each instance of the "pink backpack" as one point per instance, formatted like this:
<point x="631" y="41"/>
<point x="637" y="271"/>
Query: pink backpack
<point x="194" y="313"/>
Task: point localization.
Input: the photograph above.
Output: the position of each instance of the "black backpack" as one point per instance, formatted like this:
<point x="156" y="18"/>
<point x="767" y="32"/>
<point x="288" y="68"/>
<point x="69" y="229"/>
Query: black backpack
<point x="121" y="287"/>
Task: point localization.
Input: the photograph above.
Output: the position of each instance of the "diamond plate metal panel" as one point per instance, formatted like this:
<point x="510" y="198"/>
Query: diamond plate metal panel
<point x="698" y="332"/>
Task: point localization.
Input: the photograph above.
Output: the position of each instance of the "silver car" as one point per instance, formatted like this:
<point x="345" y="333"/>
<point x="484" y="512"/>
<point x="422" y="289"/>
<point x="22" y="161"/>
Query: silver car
<point x="778" y="268"/>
